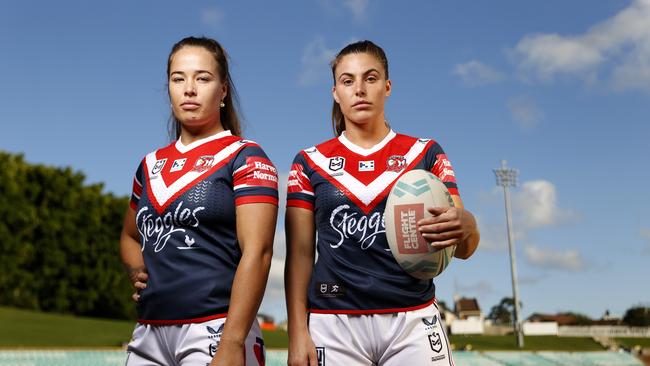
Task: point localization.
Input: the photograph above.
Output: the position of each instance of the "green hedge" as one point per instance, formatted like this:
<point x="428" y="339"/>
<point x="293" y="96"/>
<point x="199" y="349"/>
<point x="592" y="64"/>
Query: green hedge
<point x="59" y="240"/>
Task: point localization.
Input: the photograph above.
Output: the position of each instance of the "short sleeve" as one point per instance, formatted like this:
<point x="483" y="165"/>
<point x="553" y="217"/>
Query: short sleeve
<point x="300" y="192"/>
<point x="255" y="178"/>
<point x="136" y="192"/>
<point x="440" y="166"/>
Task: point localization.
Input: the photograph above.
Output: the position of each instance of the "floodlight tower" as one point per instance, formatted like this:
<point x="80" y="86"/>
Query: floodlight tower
<point x="508" y="178"/>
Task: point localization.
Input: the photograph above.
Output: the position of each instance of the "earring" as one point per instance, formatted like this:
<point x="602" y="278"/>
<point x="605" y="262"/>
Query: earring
<point x="222" y="104"/>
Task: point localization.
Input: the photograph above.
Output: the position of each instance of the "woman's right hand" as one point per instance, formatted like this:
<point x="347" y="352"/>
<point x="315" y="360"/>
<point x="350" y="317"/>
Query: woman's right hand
<point x="302" y="351"/>
<point x="138" y="277"/>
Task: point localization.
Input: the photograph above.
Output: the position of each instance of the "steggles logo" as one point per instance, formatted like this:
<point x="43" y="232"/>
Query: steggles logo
<point x="364" y="228"/>
<point x="160" y="229"/>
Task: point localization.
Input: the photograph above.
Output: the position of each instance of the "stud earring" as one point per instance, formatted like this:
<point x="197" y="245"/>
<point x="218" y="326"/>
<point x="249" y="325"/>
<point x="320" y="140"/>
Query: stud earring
<point x="222" y="104"/>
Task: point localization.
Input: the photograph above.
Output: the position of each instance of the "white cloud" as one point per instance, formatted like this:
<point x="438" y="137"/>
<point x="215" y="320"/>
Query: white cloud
<point x="494" y="236"/>
<point x="536" y="206"/>
<point x="358" y="7"/>
<point x="475" y="73"/>
<point x="315" y="62"/>
<point x="618" y="47"/>
<point x="568" y="260"/>
<point x="212" y="17"/>
<point x="645" y="233"/>
<point x="524" y="112"/>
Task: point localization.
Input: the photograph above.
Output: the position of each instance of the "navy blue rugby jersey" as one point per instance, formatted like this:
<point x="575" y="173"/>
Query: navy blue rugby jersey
<point x="184" y="199"/>
<point x="347" y="186"/>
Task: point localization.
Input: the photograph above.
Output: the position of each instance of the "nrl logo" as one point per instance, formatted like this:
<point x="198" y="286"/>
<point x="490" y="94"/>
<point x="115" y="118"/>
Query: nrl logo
<point x="336" y="163"/>
<point x="158" y="166"/>
<point x="435" y="342"/>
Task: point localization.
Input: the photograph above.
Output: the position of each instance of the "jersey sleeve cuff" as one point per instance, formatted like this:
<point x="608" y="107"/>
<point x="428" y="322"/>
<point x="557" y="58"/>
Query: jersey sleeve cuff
<point x="256" y="199"/>
<point x="300" y="203"/>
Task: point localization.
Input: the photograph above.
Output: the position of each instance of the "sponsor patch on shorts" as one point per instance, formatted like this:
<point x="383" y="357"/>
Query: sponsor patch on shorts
<point x="320" y="355"/>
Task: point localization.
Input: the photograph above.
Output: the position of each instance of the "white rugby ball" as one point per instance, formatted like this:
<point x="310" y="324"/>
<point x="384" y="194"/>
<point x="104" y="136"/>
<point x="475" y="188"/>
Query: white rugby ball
<point x="407" y="203"/>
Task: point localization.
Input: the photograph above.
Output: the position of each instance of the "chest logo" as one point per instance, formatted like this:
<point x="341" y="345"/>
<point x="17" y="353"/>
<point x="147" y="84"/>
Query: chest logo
<point x="203" y="163"/>
<point x="337" y="163"/>
<point x="158" y="166"/>
<point x="395" y="163"/>
<point x="177" y="165"/>
<point x="367" y="166"/>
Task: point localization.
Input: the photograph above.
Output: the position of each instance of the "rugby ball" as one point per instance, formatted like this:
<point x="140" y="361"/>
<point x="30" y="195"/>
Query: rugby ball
<point x="407" y="203"/>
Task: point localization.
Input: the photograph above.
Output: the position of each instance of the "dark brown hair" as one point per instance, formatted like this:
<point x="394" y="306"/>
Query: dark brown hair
<point x="229" y="113"/>
<point x="338" y="120"/>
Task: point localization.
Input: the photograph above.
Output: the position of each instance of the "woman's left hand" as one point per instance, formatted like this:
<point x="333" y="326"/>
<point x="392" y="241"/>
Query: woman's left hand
<point x="229" y="353"/>
<point x="448" y="226"/>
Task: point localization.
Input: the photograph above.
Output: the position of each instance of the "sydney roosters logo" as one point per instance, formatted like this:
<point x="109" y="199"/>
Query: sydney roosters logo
<point x="396" y="163"/>
<point x="157" y="230"/>
<point x="203" y="163"/>
<point x="350" y="224"/>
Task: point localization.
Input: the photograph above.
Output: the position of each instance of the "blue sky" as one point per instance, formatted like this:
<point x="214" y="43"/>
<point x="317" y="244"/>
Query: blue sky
<point x="559" y="89"/>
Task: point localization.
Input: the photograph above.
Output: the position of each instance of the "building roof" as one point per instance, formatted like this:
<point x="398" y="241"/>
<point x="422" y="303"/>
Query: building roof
<point x="467" y="305"/>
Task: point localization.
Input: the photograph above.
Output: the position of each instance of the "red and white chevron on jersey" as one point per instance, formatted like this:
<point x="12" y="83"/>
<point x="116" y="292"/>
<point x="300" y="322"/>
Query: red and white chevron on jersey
<point x="183" y="173"/>
<point x="366" y="179"/>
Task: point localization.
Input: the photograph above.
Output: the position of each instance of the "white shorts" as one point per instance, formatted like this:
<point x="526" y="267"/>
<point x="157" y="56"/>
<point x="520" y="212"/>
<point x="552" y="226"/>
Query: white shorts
<point x="411" y="338"/>
<point x="187" y="344"/>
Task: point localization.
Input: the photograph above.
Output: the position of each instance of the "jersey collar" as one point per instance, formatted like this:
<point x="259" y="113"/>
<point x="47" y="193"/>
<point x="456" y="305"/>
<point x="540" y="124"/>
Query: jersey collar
<point x="362" y="151"/>
<point x="185" y="148"/>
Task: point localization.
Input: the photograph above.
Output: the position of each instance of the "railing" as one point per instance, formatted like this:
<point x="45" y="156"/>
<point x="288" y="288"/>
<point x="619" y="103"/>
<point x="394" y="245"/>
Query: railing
<point x="603" y="330"/>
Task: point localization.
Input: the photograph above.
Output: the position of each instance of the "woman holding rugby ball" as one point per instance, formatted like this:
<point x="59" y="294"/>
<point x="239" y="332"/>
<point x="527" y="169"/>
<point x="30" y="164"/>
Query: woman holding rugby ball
<point x="355" y="305"/>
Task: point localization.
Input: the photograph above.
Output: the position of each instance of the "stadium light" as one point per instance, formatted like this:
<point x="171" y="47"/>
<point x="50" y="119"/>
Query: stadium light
<point x="508" y="178"/>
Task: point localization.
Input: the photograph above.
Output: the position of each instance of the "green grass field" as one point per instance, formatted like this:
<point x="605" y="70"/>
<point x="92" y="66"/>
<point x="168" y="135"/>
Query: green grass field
<point x="536" y="343"/>
<point x="22" y="328"/>
<point x="632" y="342"/>
<point x="35" y="329"/>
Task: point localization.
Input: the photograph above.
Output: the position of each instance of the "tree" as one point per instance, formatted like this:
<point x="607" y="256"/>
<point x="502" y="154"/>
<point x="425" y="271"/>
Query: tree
<point x="638" y="316"/>
<point x="503" y="312"/>
<point x="59" y="240"/>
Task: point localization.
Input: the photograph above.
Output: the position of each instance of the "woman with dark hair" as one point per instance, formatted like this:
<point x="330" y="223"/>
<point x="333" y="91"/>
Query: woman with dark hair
<point x="355" y="305"/>
<point x="198" y="235"/>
